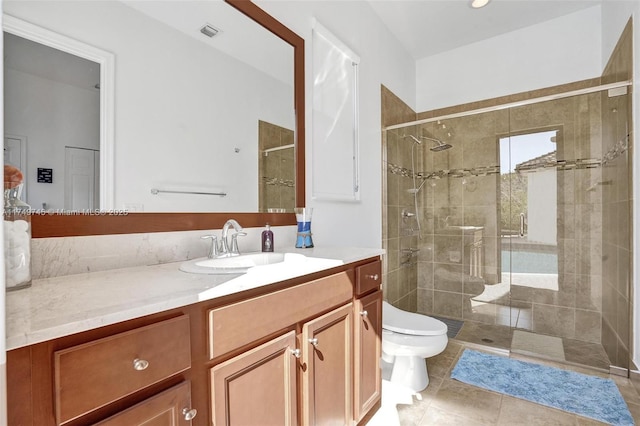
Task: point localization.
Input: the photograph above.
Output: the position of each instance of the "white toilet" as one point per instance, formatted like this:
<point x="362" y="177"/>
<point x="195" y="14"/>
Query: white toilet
<point x="407" y="339"/>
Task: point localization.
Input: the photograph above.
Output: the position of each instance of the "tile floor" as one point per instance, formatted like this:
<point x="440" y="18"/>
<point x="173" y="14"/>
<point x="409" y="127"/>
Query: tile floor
<point x="449" y="402"/>
<point x="501" y="337"/>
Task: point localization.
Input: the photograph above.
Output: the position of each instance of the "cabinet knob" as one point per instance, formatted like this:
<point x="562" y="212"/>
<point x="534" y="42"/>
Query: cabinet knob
<point x="314" y="342"/>
<point x="364" y="314"/>
<point x="140" y="364"/>
<point x="373" y="277"/>
<point x="189" y="414"/>
<point x="295" y="352"/>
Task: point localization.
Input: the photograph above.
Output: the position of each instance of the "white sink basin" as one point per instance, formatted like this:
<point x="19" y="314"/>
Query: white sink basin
<point x="232" y="265"/>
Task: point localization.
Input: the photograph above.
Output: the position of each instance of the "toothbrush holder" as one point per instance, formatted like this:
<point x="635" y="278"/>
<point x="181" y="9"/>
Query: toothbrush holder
<point x="303" y="217"/>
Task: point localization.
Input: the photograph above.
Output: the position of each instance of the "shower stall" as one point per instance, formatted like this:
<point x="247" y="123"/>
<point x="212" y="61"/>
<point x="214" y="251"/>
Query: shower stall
<point x="514" y="222"/>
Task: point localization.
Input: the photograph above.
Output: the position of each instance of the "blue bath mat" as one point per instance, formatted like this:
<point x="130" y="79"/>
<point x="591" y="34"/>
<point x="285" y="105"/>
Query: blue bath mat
<point x="577" y="393"/>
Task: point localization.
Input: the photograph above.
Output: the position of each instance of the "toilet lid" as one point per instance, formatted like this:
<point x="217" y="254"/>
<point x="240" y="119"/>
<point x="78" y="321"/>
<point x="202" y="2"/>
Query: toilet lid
<point x="404" y="322"/>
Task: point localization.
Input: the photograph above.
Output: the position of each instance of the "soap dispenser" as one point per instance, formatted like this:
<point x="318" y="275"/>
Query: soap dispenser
<point x="267" y="239"/>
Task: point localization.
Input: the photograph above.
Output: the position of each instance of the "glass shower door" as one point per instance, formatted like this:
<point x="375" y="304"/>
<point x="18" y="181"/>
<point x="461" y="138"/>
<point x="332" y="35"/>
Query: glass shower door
<point x="528" y="222"/>
<point x="553" y="250"/>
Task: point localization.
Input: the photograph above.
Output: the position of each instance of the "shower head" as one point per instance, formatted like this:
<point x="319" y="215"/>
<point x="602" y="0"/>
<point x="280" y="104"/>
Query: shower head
<point x="416" y="140"/>
<point x="441" y="146"/>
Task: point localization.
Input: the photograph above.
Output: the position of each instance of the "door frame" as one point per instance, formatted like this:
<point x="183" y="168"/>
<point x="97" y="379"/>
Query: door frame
<point x="106" y="60"/>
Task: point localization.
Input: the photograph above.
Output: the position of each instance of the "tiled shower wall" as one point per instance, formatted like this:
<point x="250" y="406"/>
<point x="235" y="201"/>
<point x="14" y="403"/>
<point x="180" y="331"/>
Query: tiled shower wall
<point x="616" y="207"/>
<point x="276" y="169"/>
<point x="399" y="234"/>
<point x="461" y="192"/>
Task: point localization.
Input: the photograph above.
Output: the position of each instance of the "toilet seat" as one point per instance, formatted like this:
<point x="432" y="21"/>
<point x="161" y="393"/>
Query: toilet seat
<point x="404" y="322"/>
<point x="397" y="344"/>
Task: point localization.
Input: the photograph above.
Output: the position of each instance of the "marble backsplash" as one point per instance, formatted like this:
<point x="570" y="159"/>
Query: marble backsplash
<point x="54" y="257"/>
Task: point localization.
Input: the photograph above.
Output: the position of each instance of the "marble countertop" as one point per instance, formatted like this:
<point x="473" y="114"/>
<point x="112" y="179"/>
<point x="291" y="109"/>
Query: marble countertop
<point x="57" y="307"/>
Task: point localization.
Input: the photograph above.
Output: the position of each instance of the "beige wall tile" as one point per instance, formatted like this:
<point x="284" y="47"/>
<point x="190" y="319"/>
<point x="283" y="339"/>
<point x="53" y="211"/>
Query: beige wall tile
<point x="447" y="304"/>
<point x="588" y="326"/>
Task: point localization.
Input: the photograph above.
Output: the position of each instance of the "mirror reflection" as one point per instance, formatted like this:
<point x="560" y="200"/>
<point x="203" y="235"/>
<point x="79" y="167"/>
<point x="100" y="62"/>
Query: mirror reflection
<point x="193" y="115"/>
<point x="52" y="124"/>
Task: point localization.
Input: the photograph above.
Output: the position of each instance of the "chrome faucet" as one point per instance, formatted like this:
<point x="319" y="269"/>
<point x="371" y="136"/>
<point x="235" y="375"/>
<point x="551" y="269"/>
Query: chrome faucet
<point x="224" y="243"/>
<point x="213" y="249"/>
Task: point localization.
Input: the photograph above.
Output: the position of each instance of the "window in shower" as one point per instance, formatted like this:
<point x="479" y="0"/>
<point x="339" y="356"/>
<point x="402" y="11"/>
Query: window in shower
<point x="528" y="210"/>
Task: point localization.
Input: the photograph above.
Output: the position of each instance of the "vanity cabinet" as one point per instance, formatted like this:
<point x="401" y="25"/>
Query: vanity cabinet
<point x="304" y="351"/>
<point x="317" y="345"/>
<point x="323" y="359"/>
<point x="130" y="373"/>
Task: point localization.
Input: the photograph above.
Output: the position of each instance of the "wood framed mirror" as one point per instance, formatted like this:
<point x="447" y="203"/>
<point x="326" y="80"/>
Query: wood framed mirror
<point x="103" y="223"/>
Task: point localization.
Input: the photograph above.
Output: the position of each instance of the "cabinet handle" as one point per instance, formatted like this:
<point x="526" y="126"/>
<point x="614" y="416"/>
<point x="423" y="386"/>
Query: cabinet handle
<point x="140" y="364"/>
<point x="373" y="277"/>
<point x="295" y="352"/>
<point x="189" y="414"/>
<point x="364" y="313"/>
<point x="314" y="342"/>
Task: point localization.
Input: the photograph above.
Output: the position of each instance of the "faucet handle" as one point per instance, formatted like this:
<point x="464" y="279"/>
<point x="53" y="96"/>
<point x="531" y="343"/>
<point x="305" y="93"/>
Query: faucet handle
<point x="213" y="250"/>
<point x="234" y="242"/>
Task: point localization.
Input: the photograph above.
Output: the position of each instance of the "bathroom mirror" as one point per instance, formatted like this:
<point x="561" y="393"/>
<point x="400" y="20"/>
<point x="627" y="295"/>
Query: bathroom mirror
<point x="93" y="224"/>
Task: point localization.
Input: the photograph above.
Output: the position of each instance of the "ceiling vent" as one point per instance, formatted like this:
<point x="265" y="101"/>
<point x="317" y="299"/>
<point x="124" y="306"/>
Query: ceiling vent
<point x="209" y="30"/>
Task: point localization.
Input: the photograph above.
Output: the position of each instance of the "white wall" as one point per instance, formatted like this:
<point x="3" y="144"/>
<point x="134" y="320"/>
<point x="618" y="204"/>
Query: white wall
<point x="177" y="135"/>
<point x="614" y="17"/>
<point x="541" y="223"/>
<point x="559" y="51"/>
<point x="383" y="61"/>
<point x="51" y="115"/>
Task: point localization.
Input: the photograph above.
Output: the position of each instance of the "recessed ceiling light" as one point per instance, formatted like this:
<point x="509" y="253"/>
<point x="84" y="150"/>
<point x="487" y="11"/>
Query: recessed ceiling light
<point x="477" y="4"/>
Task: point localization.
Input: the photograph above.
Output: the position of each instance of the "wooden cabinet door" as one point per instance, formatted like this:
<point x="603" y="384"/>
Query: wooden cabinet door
<point x="326" y="369"/>
<point x="169" y="408"/>
<point x="257" y="387"/>
<point x="367" y="353"/>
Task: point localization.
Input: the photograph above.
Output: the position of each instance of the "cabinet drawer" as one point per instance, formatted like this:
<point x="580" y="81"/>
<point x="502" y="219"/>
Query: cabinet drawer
<point x="236" y="325"/>
<point x="171" y="407"/>
<point x="368" y="277"/>
<point x="94" y="374"/>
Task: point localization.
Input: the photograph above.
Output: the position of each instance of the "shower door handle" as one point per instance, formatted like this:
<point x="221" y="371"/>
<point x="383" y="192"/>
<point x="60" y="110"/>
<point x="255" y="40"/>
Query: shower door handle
<point x="521" y="225"/>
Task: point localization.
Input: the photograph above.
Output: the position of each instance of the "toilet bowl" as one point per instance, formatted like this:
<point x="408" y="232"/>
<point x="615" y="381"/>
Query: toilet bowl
<point x="407" y="340"/>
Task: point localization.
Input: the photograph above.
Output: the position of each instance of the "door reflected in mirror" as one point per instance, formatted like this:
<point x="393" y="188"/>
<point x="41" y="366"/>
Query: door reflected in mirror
<point x="186" y="115"/>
